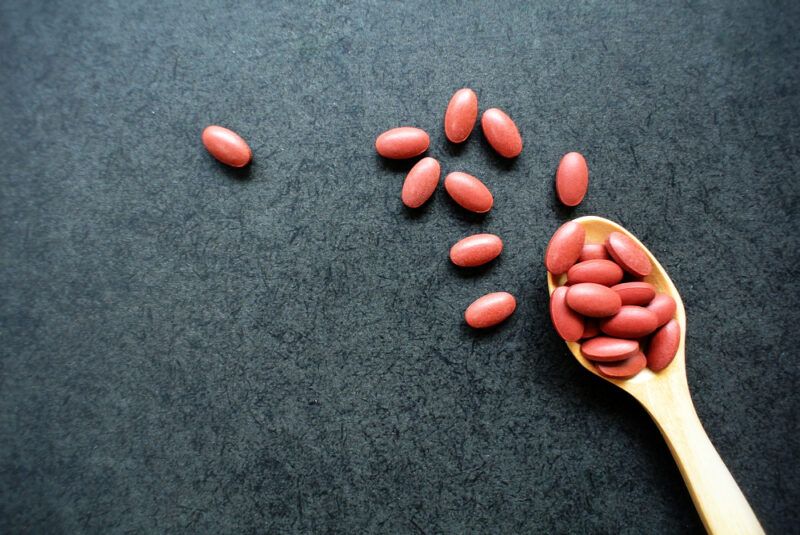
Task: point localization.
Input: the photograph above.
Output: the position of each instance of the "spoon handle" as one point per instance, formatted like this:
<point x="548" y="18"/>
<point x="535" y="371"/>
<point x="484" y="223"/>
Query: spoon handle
<point x="718" y="499"/>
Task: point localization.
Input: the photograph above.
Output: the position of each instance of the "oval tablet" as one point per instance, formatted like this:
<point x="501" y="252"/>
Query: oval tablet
<point x="501" y="133"/>
<point x="564" y="247"/>
<point x="664" y="308"/>
<point x="630" y="322"/>
<point x="461" y="114"/>
<point x="489" y="310"/>
<point x="403" y="142"/>
<point x="635" y="293"/>
<point x="603" y="272"/>
<point x="605" y="349"/>
<point x="624" y="369"/>
<point x="469" y="192"/>
<point x="664" y="346"/>
<point x="572" y="179"/>
<point x="593" y="300"/>
<point x="568" y="324"/>
<point x="476" y="250"/>
<point x="226" y="146"/>
<point x="628" y="255"/>
<point x="593" y="251"/>
<point x="420" y="182"/>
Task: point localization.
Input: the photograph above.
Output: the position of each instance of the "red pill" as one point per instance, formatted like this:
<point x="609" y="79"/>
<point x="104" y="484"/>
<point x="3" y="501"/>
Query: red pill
<point x="590" y="329"/>
<point x="476" y="250"/>
<point x="630" y="322"/>
<point x="635" y="293"/>
<point x="572" y="179"/>
<point x="489" y="310"/>
<point x="664" y="308"/>
<point x="605" y="349"/>
<point x="593" y="300"/>
<point x="403" y="142"/>
<point x="664" y="346"/>
<point x="501" y="133"/>
<point x="469" y="192"/>
<point x="461" y="114"/>
<point x="603" y="272"/>
<point x="628" y="255"/>
<point x="564" y="248"/>
<point x="624" y="369"/>
<point x="568" y="324"/>
<point x="226" y="146"/>
<point x="593" y="251"/>
<point x="421" y="182"/>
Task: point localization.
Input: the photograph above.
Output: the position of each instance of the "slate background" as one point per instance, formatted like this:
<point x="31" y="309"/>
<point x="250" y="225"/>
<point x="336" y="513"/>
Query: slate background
<point x="189" y="349"/>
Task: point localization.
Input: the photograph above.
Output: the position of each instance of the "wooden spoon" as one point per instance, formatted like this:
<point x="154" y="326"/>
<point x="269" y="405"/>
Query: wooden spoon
<point x="718" y="499"/>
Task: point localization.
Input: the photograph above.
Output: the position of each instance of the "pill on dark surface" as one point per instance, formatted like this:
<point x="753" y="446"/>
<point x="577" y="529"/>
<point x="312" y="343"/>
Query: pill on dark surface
<point x="226" y="146"/>
<point x="568" y="324"/>
<point x="593" y="300"/>
<point x="489" y="310"/>
<point x="663" y="346"/>
<point x="635" y="293"/>
<point x="461" y="114"/>
<point x="590" y="329"/>
<point x="403" y="142"/>
<point x="593" y="251"/>
<point x="624" y="369"/>
<point x="630" y="322"/>
<point x="469" y="192"/>
<point x="628" y="255"/>
<point x="572" y="179"/>
<point x="603" y="272"/>
<point x="606" y="349"/>
<point x="421" y="182"/>
<point x="664" y="308"/>
<point x="476" y="250"/>
<point x="501" y="132"/>
<point x="564" y="247"/>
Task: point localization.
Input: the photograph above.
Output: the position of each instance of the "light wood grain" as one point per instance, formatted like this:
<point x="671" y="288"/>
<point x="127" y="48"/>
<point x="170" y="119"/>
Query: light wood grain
<point x="665" y="395"/>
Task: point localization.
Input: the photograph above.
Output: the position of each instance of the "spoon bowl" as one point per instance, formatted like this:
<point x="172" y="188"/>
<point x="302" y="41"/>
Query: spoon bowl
<point x="665" y="395"/>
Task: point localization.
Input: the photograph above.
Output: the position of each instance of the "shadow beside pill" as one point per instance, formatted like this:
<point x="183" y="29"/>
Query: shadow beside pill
<point x="236" y="173"/>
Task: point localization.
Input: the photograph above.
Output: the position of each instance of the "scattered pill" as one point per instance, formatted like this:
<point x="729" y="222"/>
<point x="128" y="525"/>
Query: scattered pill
<point x="605" y="349"/>
<point x="226" y="146"/>
<point x="572" y="179"/>
<point x="461" y="114"/>
<point x="568" y="324"/>
<point x="564" y="248"/>
<point x="489" y="310"/>
<point x="630" y="322"/>
<point x="501" y="133"/>
<point x="469" y="192"/>
<point x="421" y="182"/>
<point x="403" y="142"/>
<point x="603" y="272"/>
<point x="664" y="308"/>
<point x="476" y="250"/>
<point x="593" y="251"/>
<point x="628" y="254"/>
<point x="664" y="346"/>
<point x="593" y="300"/>
<point x="624" y="369"/>
<point x="635" y="293"/>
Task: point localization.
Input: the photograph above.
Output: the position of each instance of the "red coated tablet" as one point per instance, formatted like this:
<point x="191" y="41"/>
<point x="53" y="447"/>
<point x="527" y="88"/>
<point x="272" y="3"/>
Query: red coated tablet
<point x="476" y="250"/>
<point x="630" y="322"/>
<point x="635" y="293"/>
<point x="461" y="114"/>
<point x="403" y="142"/>
<point x="421" y="182"/>
<point x="226" y="146"/>
<point x="605" y="349"/>
<point x="593" y="251"/>
<point x="664" y="346"/>
<point x="593" y="300"/>
<point x="664" y="308"/>
<point x="564" y="247"/>
<point x="603" y="272"/>
<point x="469" y="192"/>
<point x="568" y="324"/>
<point x="628" y="255"/>
<point x="572" y="179"/>
<point x="624" y="369"/>
<point x="501" y="132"/>
<point x="489" y="310"/>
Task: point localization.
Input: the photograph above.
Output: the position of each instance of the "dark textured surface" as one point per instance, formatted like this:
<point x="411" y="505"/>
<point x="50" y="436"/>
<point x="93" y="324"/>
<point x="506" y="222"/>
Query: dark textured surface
<point x="188" y="349"/>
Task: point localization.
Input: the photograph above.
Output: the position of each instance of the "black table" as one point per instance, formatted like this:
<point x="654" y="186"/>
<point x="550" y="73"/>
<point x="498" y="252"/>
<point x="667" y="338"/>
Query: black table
<point x="190" y="349"/>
